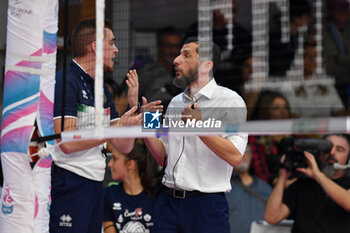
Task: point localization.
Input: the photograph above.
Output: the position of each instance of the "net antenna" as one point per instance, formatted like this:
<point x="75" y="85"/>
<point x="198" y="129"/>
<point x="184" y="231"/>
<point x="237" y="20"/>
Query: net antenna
<point x="99" y="93"/>
<point x="260" y="30"/>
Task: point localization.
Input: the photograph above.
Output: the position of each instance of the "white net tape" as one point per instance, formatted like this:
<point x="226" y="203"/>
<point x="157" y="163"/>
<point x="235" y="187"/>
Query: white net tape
<point x="282" y="127"/>
<point x="276" y="127"/>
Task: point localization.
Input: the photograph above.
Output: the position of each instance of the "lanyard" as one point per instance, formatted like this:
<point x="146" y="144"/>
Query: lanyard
<point x="88" y="91"/>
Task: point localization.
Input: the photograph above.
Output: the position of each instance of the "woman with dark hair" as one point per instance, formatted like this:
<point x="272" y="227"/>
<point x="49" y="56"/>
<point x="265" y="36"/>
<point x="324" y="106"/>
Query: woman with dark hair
<point x="272" y="105"/>
<point x="265" y="149"/>
<point x="128" y="206"/>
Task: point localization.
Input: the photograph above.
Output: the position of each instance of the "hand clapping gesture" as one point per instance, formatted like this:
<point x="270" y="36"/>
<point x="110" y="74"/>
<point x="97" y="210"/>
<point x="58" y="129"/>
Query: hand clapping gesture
<point x="133" y="93"/>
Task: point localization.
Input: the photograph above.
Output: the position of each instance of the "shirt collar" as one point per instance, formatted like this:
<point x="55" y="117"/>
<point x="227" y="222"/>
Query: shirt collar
<point x="206" y="91"/>
<point x="82" y="72"/>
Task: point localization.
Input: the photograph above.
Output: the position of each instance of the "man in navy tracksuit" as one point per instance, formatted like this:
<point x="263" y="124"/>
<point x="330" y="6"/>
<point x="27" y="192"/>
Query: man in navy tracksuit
<point x="77" y="190"/>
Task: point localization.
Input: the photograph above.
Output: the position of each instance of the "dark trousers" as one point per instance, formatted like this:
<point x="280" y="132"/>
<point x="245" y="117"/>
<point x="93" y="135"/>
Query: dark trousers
<point x="205" y="213"/>
<point x="77" y="203"/>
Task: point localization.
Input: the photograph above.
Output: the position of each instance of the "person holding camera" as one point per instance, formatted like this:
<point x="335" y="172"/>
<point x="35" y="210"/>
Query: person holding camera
<point x="319" y="204"/>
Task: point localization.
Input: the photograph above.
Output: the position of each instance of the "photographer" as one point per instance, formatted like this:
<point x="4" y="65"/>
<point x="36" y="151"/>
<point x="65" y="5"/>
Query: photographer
<point x="319" y="204"/>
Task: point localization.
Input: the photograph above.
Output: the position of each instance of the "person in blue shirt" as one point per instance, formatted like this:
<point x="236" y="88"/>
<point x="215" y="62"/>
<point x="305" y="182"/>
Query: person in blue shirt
<point x="128" y="206"/>
<point x="79" y="166"/>
<point x="247" y="198"/>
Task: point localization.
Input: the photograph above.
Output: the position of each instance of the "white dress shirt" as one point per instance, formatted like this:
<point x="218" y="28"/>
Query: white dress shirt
<point x="191" y="164"/>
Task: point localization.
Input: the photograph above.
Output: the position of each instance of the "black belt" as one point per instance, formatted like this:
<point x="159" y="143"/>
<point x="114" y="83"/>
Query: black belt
<point x="181" y="194"/>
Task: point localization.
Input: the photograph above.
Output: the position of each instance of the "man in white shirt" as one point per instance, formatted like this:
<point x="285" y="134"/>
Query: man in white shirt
<point x="199" y="167"/>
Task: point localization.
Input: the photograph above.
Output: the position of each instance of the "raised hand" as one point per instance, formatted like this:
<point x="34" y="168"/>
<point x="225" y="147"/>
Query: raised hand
<point x="133" y="87"/>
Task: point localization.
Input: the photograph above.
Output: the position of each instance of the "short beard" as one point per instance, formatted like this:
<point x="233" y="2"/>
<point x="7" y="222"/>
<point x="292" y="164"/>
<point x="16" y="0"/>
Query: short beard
<point x="184" y="81"/>
<point x="329" y="170"/>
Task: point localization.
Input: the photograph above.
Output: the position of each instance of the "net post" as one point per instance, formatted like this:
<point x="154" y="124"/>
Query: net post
<point x="99" y="92"/>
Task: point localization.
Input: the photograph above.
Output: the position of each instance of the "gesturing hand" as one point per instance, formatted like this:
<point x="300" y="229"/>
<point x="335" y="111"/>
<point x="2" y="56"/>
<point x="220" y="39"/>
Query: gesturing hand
<point x="151" y="106"/>
<point x="133" y="87"/>
<point x="131" y="118"/>
<point x="191" y="111"/>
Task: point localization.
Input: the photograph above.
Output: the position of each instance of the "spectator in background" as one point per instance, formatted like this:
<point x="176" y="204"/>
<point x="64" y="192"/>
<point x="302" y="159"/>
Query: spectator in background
<point x="119" y="94"/>
<point x="314" y="100"/>
<point x="245" y="75"/>
<point x="227" y="74"/>
<point x="156" y="78"/>
<point x="336" y="45"/>
<point x="281" y="55"/>
<point x="320" y="203"/>
<point x="271" y="105"/>
<point x="250" y="96"/>
<point x="265" y="148"/>
<point x="128" y="206"/>
<point x="247" y="198"/>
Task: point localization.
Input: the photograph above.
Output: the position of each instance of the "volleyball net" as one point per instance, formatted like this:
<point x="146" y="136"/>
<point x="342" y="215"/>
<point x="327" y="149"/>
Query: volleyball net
<point x="148" y="36"/>
<point x="138" y="43"/>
